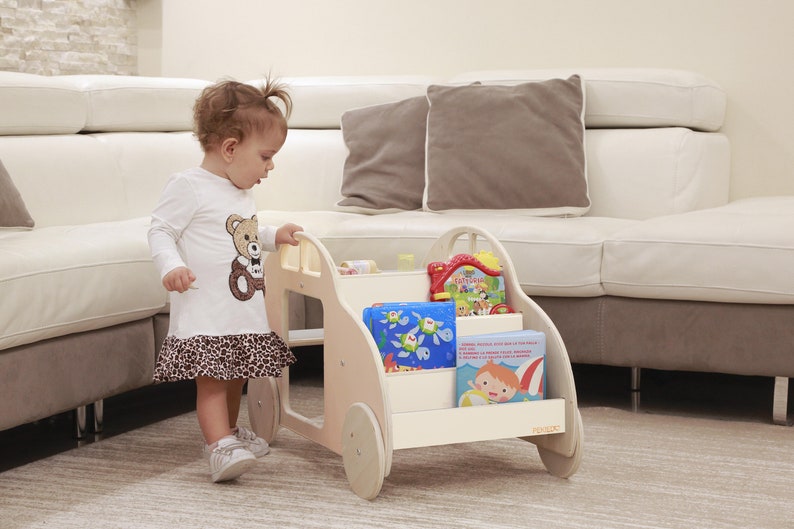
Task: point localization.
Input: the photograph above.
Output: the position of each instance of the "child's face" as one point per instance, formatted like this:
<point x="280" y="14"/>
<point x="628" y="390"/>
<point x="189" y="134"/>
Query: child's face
<point x="252" y="159"/>
<point x="497" y="390"/>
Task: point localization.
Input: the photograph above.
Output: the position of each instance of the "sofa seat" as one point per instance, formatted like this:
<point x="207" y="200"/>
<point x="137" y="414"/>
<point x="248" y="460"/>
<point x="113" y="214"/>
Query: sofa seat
<point x="76" y="278"/>
<point x="742" y="252"/>
<point x="573" y="244"/>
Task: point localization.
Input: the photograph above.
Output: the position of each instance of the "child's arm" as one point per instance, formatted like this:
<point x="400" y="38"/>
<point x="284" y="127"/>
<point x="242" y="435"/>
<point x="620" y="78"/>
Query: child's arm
<point x="271" y="237"/>
<point x="169" y="218"/>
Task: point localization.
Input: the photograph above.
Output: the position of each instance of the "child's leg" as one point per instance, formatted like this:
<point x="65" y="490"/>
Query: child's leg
<point x="255" y="444"/>
<point x="234" y="394"/>
<point x="228" y="456"/>
<point x="212" y="408"/>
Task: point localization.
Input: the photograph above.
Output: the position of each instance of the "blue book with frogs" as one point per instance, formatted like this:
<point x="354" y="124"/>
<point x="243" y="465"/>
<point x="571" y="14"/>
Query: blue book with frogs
<point x="413" y="335"/>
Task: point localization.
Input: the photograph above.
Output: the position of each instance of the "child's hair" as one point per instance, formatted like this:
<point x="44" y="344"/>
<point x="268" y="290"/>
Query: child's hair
<point x="230" y="109"/>
<point x="501" y="373"/>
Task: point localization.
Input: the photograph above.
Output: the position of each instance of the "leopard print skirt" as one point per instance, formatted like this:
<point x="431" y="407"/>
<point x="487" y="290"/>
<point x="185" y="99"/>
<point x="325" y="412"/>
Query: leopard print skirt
<point x="223" y="357"/>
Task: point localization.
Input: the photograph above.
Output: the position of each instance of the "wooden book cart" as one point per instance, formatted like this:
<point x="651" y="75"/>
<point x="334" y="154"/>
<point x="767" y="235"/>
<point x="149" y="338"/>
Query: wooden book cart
<point x="368" y="413"/>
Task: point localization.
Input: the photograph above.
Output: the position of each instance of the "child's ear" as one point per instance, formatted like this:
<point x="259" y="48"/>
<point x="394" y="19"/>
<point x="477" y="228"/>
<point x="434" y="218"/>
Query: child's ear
<point x="228" y="147"/>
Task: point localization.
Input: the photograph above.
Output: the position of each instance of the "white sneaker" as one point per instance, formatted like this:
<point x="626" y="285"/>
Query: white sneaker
<point x="254" y="443"/>
<point x="230" y="459"/>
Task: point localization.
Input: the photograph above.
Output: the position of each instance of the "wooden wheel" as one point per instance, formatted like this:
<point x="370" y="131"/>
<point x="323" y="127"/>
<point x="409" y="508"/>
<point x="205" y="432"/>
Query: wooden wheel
<point x="363" y="452"/>
<point x="264" y="407"/>
<point x="560" y="465"/>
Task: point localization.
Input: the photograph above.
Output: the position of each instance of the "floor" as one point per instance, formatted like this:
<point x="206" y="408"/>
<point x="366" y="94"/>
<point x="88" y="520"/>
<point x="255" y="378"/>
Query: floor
<point x="724" y="397"/>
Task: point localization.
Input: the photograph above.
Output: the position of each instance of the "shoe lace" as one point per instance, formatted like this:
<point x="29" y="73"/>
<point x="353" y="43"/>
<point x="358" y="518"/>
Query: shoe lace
<point x="229" y="448"/>
<point x="245" y="434"/>
<point x="223" y="450"/>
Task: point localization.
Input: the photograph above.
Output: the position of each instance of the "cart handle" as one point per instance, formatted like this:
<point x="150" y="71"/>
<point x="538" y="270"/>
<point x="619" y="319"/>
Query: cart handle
<point x="443" y="248"/>
<point x="308" y="246"/>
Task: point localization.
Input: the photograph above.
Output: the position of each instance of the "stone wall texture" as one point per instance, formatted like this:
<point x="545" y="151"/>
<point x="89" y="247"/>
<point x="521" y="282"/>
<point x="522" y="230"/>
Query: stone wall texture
<point x="60" y="37"/>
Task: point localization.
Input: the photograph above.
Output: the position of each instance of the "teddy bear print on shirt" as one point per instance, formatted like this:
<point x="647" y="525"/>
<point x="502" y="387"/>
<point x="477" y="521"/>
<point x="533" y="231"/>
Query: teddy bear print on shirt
<point x="247" y="275"/>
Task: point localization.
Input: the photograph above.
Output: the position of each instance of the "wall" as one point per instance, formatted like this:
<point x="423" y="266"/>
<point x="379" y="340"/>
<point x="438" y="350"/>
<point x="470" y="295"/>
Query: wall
<point x="53" y="37"/>
<point x="744" y="46"/>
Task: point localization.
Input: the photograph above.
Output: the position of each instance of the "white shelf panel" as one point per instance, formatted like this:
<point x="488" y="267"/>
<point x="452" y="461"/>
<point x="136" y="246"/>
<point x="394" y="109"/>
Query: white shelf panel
<point x="478" y="423"/>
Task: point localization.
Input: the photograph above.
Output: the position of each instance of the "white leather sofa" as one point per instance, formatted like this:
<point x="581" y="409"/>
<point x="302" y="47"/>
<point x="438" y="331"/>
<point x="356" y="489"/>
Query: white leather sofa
<point x="662" y="271"/>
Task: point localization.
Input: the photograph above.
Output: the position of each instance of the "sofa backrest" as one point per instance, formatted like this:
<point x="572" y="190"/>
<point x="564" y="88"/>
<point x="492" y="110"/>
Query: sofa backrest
<point x="67" y="171"/>
<point x="652" y="141"/>
<point x="99" y="148"/>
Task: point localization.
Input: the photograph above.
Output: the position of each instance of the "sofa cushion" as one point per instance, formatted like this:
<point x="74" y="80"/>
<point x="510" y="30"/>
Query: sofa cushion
<point x="742" y="252"/>
<point x="319" y="102"/>
<point x="645" y="173"/>
<point x="307" y="173"/>
<point x="146" y="160"/>
<point x="40" y="104"/>
<point x="318" y="223"/>
<point x="631" y="97"/>
<point x="511" y="148"/>
<point x="552" y="256"/>
<point x="385" y="168"/>
<point x="13" y="213"/>
<point x="134" y="103"/>
<point x="65" y="178"/>
<point x="76" y="278"/>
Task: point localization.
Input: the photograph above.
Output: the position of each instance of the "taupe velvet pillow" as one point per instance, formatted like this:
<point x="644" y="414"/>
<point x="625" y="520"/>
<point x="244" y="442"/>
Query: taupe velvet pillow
<point x="516" y="149"/>
<point x="385" y="168"/>
<point x="13" y="212"/>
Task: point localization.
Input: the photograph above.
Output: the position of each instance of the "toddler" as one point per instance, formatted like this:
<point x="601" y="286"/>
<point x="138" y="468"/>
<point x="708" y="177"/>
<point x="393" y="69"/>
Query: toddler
<point x="208" y="248"/>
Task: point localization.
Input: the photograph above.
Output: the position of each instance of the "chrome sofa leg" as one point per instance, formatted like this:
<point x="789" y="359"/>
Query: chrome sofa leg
<point x="780" y="402"/>
<point x="635" y="378"/>
<point x="80" y="419"/>
<point x="99" y="416"/>
<point x="635" y="388"/>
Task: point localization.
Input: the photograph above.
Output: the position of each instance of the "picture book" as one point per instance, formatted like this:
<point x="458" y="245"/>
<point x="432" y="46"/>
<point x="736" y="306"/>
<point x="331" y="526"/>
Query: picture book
<point x="501" y="367"/>
<point x="415" y="335"/>
<point x="474" y="282"/>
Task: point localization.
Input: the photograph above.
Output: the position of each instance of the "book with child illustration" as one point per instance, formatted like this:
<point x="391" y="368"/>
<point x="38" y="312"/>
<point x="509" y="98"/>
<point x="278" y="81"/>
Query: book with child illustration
<point x="500" y="367"/>
<point x="415" y="335"/>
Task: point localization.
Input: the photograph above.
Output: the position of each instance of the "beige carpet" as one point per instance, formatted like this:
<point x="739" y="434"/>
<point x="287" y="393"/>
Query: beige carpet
<point x="639" y="471"/>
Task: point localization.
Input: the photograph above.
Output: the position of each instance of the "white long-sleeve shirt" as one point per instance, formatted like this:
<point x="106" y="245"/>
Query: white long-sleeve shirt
<point x="206" y="223"/>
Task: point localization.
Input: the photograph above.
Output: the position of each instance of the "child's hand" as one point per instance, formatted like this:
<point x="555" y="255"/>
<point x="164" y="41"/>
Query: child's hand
<point x="178" y="280"/>
<point x="286" y="234"/>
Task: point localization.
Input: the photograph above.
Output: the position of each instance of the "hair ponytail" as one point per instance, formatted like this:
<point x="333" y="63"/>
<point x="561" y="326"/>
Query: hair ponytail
<point x="235" y="109"/>
<point x="273" y="89"/>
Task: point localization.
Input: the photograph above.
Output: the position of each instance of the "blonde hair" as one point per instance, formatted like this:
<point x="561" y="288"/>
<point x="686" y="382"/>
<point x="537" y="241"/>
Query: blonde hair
<point x="230" y="109"/>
